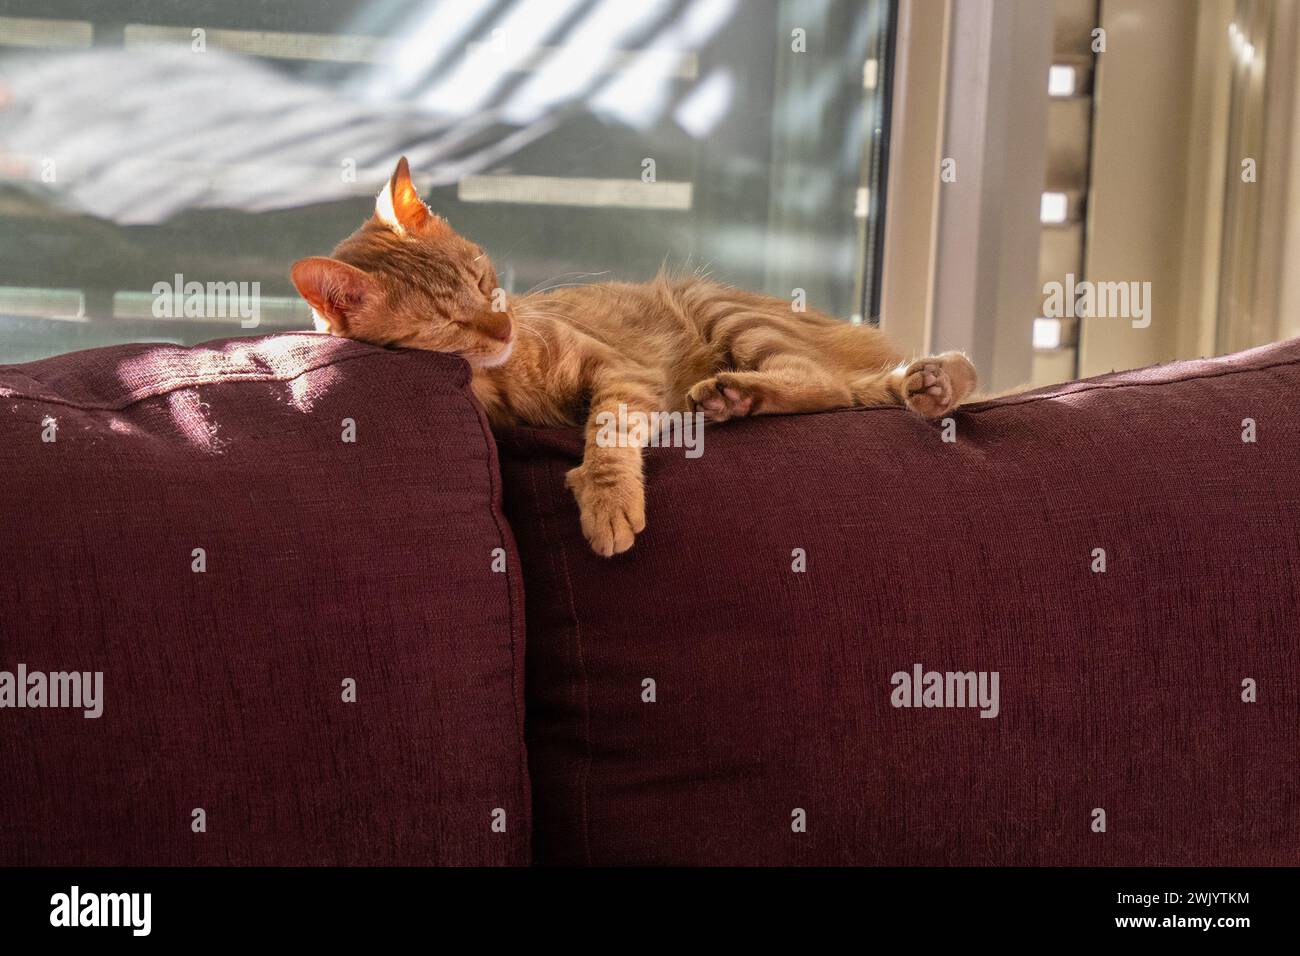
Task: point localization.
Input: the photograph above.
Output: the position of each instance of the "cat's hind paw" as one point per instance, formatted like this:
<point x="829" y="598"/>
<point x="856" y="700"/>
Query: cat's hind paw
<point x="721" y="397"/>
<point x="934" y="386"/>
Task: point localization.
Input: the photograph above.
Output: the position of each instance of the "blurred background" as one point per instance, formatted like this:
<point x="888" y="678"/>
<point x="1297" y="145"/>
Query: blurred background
<point x="932" y="166"/>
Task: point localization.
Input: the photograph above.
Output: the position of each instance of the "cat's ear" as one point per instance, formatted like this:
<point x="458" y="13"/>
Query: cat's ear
<point x="334" y="289"/>
<point x="399" y="207"/>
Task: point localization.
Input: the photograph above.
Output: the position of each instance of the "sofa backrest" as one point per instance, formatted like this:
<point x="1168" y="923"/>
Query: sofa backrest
<point x="752" y="682"/>
<point x="287" y="559"/>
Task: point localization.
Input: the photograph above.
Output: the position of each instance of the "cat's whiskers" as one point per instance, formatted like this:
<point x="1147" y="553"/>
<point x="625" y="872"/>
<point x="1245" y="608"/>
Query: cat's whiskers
<point x="562" y="275"/>
<point x="562" y="285"/>
<point x="519" y="326"/>
<point x="538" y="290"/>
<point x="565" y="319"/>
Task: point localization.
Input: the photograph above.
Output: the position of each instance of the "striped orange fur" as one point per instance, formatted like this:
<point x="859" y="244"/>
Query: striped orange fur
<point x="562" y="356"/>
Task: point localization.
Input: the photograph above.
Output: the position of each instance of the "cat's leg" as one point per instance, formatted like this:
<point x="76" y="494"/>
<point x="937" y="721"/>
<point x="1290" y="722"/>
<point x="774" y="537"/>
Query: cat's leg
<point x="784" y="384"/>
<point x="781" y="384"/>
<point x="609" y="485"/>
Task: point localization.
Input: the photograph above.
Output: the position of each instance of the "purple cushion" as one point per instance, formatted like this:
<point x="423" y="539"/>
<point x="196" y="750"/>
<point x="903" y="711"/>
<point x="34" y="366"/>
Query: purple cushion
<point x="326" y="561"/>
<point x="1120" y="691"/>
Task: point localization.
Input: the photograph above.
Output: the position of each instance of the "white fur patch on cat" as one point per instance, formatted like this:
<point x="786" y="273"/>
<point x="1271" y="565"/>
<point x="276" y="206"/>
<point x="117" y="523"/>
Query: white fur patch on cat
<point x="385" y="211"/>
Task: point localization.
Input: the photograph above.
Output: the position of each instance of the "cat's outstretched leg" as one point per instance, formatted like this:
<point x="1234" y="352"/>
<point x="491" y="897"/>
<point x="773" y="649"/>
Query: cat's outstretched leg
<point x="609" y="486"/>
<point x="784" y="384"/>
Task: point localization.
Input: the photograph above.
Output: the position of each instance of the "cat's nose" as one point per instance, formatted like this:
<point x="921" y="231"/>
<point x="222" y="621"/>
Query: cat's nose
<point x="498" y="327"/>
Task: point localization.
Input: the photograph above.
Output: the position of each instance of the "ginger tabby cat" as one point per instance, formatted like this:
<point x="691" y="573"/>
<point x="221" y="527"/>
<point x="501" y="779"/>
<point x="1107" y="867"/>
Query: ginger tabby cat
<point x="563" y="356"/>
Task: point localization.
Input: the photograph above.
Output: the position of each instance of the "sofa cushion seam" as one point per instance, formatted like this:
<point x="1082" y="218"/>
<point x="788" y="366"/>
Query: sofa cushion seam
<point x="585" y="785"/>
<point x="516" y="676"/>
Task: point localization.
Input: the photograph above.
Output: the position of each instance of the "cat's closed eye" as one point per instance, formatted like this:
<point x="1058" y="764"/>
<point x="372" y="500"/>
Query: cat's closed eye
<point x="485" y="278"/>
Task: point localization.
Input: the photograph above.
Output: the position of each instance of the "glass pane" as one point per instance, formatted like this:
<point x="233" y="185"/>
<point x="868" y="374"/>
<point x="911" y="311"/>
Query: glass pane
<point x="146" y="146"/>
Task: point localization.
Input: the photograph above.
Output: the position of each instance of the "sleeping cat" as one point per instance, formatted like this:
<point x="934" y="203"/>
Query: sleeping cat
<point x="562" y="356"/>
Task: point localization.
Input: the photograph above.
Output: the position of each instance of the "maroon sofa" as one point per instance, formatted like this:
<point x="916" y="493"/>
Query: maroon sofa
<point x="289" y="558"/>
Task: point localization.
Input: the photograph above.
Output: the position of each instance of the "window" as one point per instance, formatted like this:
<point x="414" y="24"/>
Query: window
<point x="149" y="146"/>
<point x="1061" y="259"/>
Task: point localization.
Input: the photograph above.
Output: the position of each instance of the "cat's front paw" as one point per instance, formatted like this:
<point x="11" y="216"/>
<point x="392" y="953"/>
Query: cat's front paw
<point x="613" y="513"/>
<point x="721" y="397"/>
<point x="934" y="386"/>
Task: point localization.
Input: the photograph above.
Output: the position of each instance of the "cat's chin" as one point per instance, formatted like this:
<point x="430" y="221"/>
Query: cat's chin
<point x="493" y="361"/>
